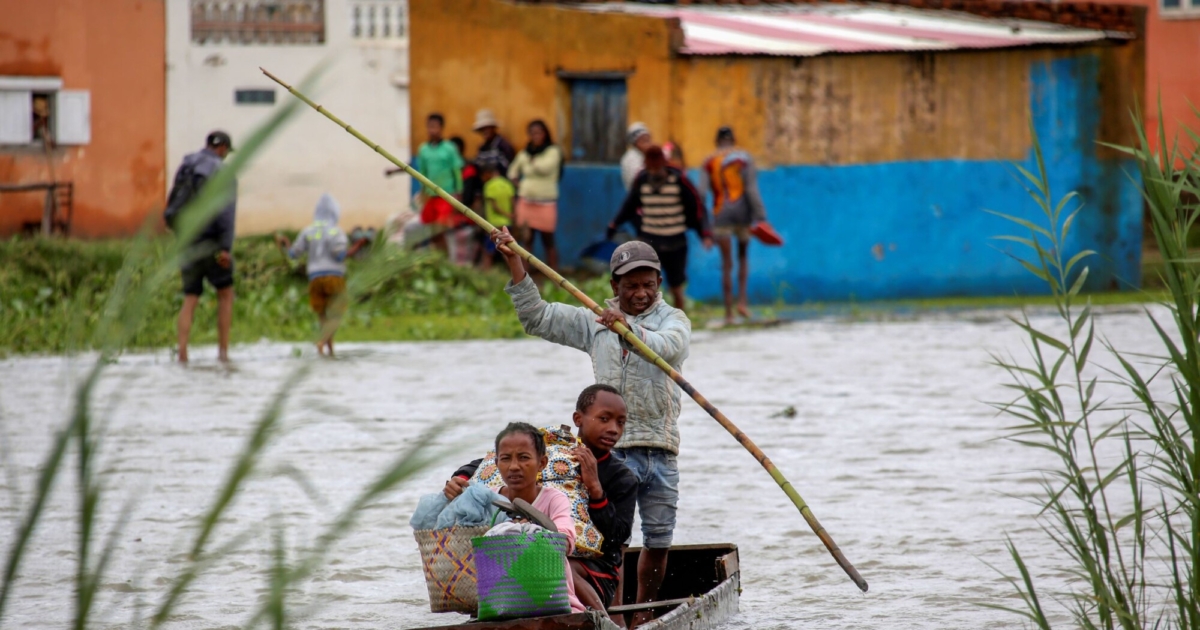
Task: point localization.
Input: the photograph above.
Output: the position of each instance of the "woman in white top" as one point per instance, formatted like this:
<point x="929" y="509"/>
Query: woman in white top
<point x="537" y="170"/>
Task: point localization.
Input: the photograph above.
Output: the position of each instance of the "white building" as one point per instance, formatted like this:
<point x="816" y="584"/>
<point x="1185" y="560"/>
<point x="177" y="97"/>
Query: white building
<point x="214" y="51"/>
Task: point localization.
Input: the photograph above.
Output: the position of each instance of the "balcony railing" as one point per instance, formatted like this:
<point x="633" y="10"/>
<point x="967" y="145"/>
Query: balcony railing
<point x="250" y="22"/>
<point x="378" y="20"/>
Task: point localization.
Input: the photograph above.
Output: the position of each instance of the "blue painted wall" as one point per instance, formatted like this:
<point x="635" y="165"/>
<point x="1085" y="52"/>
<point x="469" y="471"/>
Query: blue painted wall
<point x="915" y="229"/>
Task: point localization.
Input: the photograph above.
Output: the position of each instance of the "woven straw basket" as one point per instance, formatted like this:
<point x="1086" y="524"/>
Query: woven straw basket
<point x="449" y="563"/>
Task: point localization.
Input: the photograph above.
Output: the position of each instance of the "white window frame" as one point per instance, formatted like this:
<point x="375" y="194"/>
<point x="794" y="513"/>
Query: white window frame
<point x="359" y="19"/>
<point x="70" y="112"/>
<point x="1187" y="9"/>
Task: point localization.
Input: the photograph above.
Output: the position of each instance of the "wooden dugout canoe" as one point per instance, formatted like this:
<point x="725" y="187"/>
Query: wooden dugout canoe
<point x="700" y="592"/>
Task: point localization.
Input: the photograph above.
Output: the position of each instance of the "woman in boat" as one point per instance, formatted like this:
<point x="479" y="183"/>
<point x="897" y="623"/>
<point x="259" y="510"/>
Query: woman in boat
<point x="521" y="456"/>
<point x="600" y="415"/>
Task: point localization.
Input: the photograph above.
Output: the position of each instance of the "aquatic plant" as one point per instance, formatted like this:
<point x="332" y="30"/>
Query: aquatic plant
<point x="146" y="266"/>
<point x="1123" y="500"/>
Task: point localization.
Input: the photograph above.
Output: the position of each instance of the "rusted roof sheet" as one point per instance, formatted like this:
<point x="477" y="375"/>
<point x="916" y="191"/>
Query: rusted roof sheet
<point x="804" y="30"/>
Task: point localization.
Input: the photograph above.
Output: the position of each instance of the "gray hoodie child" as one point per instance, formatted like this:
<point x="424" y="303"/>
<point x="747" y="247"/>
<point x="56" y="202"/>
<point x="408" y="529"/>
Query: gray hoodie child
<point x="325" y="243"/>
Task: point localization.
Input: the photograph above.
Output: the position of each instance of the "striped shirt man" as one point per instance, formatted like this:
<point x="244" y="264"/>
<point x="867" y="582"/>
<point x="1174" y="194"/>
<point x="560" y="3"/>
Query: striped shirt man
<point x="663" y="205"/>
<point x="663" y="208"/>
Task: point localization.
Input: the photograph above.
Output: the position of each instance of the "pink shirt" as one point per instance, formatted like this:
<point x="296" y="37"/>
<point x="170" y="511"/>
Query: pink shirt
<point x="553" y="503"/>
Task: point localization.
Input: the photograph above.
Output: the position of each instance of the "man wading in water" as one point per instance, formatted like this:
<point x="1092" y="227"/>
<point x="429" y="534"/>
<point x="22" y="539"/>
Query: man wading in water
<point x="651" y="440"/>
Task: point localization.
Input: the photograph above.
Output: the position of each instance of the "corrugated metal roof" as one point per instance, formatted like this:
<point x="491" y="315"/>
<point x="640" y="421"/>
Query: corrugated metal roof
<point x="815" y="29"/>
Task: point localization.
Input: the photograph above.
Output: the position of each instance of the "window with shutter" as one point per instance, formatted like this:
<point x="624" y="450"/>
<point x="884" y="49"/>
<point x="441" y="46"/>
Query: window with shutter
<point x="73" y="117"/>
<point x="16" y="117"/>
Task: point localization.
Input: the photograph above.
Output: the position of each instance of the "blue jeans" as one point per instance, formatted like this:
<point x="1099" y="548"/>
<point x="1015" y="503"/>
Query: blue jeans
<point x="657" y="473"/>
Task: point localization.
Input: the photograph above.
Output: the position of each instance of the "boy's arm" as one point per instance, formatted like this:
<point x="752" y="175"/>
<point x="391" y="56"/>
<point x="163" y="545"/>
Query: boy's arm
<point x="341" y="246"/>
<point x="693" y="208"/>
<point x="758" y="212"/>
<point x="613" y="513"/>
<point x="458" y="177"/>
<point x="300" y="246"/>
<point x="514" y="169"/>
<point x="226" y="220"/>
<point x="468" y="471"/>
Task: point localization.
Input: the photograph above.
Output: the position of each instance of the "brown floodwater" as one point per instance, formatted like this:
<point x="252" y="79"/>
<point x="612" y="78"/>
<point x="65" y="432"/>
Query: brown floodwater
<point x="893" y="446"/>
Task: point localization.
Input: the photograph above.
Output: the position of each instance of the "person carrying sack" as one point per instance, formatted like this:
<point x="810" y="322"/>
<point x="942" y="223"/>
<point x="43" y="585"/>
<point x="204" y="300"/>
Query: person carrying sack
<point x="737" y="206"/>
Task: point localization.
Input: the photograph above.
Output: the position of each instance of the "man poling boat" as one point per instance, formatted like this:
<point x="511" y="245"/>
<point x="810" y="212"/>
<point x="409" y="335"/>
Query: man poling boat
<point x="620" y="329"/>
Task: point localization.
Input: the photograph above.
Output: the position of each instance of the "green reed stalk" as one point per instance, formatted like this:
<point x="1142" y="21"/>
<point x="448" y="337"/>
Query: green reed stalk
<point x="1116" y="553"/>
<point x="122" y="314"/>
<point x="140" y="277"/>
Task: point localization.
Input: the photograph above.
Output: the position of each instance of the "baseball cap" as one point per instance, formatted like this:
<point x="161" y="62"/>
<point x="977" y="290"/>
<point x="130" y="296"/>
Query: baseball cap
<point x="635" y="131"/>
<point x="632" y="255"/>
<point x="219" y="139"/>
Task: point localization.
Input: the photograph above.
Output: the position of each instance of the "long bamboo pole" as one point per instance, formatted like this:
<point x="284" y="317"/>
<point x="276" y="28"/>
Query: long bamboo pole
<point x="618" y="328"/>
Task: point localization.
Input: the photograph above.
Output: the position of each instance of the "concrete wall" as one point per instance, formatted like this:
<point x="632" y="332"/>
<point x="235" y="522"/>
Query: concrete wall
<point x="919" y="228"/>
<point x="365" y="85"/>
<point x="877" y="169"/>
<point x="472" y="54"/>
<point x="879" y="186"/>
<point x="114" y="50"/>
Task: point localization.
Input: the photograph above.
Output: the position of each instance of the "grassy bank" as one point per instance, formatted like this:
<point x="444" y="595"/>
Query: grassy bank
<point x="53" y="290"/>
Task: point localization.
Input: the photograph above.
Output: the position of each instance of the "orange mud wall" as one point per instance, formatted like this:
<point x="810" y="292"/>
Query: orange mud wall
<point x="116" y="50"/>
<point x="871" y="108"/>
<point x="466" y="55"/>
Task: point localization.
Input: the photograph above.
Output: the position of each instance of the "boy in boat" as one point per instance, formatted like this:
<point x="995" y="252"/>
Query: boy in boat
<point x="651" y="441"/>
<point x="612" y="491"/>
<point x="327" y="247"/>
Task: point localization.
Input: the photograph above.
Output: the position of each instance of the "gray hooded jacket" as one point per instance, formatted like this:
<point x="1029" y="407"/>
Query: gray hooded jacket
<point x="652" y="399"/>
<point x="325" y="243"/>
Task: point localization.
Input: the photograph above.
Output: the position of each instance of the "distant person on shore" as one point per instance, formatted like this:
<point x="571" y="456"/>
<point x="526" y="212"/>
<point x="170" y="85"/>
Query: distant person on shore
<point x="634" y="159"/>
<point x="663" y="205"/>
<point x="650" y="443"/>
<point x="327" y="247"/>
<point x="210" y="256"/>
<point x="537" y="171"/>
<point x="494" y="146"/>
<point x="499" y="197"/>
<point x="674" y="154"/>
<point x="737" y="206"/>
<point x="441" y="162"/>
<point x="463" y="240"/>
